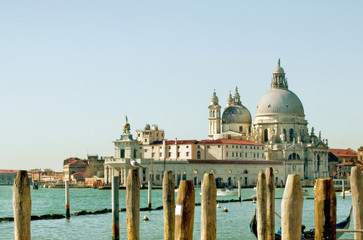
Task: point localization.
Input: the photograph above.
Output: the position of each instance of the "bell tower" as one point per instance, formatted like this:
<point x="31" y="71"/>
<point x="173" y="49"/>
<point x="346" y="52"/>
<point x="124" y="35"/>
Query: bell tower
<point x="214" y="116"/>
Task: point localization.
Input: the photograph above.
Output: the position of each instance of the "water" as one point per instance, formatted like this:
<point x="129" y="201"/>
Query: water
<point x="230" y="225"/>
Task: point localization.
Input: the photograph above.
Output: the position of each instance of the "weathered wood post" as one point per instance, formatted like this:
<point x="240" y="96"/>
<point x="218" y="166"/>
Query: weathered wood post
<point x="325" y="209"/>
<point x="184" y="211"/>
<point x="291" y="209"/>
<point x="66" y="189"/>
<point x="22" y="206"/>
<point x="239" y="190"/>
<point x="149" y="189"/>
<point x="261" y="206"/>
<point x="169" y="205"/>
<point x="343" y="188"/>
<point x="115" y="208"/>
<point x="133" y="205"/>
<point x="208" y="210"/>
<point x="270" y="202"/>
<point x="356" y="186"/>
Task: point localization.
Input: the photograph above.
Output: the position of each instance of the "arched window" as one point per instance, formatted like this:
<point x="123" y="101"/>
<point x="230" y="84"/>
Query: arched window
<point x="291" y="134"/>
<point x="265" y="135"/>
<point x="294" y="156"/>
<point x="198" y="155"/>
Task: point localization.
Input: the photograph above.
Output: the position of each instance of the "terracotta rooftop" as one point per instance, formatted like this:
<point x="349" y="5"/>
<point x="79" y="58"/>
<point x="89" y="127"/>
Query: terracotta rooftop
<point x="78" y="162"/>
<point x="343" y="152"/>
<point x="8" y="171"/>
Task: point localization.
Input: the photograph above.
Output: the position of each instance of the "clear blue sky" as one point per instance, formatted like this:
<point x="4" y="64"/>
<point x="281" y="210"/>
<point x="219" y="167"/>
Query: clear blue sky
<point x="69" y="70"/>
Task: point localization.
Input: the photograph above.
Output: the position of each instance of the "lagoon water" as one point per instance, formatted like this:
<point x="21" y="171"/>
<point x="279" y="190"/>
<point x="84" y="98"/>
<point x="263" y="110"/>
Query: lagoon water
<point x="231" y="225"/>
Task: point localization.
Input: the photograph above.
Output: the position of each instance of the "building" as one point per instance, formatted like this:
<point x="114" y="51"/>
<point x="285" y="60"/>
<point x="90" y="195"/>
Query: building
<point x="341" y="161"/>
<point x="7" y="176"/>
<point x="237" y="148"/>
<point x="72" y="166"/>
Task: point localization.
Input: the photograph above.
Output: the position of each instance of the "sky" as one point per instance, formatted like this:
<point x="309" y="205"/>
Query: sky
<point x="70" y="70"/>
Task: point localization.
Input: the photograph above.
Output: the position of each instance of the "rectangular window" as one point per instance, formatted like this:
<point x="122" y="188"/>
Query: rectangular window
<point x="169" y="154"/>
<point x="245" y="154"/>
<point x="240" y="154"/>
<point x="178" y="154"/>
<point x="232" y="154"/>
<point x="153" y="154"/>
<point x="226" y="154"/>
<point x="187" y="154"/>
<point x="187" y="146"/>
<point x="219" y="146"/>
<point x="169" y="147"/>
<point x="122" y="153"/>
<point x="208" y="146"/>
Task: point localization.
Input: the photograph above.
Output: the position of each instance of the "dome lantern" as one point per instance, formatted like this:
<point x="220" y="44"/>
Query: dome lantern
<point x="278" y="79"/>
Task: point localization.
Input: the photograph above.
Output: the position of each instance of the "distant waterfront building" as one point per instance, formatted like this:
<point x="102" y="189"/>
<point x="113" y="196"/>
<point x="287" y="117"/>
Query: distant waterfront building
<point x="76" y="169"/>
<point x="341" y="161"/>
<point x="237" y="149"/>
<point x="7" y="176"/>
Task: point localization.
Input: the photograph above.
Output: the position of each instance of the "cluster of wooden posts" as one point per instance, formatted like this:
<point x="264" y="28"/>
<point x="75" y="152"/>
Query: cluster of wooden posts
<point x="292" y="207"/>
<point x="179" y="214"/>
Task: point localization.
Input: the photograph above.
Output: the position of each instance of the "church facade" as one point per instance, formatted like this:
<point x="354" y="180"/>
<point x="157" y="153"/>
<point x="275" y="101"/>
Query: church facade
<point x="237" y="148"/>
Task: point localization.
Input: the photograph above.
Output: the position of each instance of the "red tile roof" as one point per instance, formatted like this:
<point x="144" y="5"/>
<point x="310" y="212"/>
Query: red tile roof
<point x="229" y="141"/>
<point x="78" y="174"/>
<point x="78" y="162"/>
<point x="343" y="152"/>
<point x="8" y="171"/>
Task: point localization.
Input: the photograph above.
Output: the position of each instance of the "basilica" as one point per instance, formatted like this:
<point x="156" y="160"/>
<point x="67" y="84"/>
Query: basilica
<point x="237" y="147"/>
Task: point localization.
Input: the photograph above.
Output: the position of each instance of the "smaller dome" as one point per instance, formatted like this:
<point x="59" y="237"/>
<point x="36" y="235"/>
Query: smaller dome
<point x="236" y="114"/>
<point x="147" y="127"/>
<point x="279" y="69"/>
<point x="155" y="128"/>
<point x="214" y="100"/>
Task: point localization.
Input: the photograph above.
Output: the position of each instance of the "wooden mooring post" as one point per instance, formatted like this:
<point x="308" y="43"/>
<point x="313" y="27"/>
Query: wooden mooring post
<point x="133" y="205"/>
<point x="208" y="227"/>
<point x="291" y="209"/>
<point x="184" y="211"/>
<point x="115" y="208"/>
<point x="22" y="206"/>
<point x="343" y="189"/>
<point x="270" y="202"/>
<point x="169" y="205"/>
<point x="66" y="189"/>
<point x="325" y="207"/>
<point x="239" y="190"/>
<point x="261" y="206"/>
<point x="356" y="186"/>
<point x="149" y="189"/>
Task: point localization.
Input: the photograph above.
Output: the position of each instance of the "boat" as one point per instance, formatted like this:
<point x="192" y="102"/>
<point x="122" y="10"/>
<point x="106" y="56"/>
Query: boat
<point x="306" y="235"/>
<point x="347" y="193"/>
<point x="226" y="192"/>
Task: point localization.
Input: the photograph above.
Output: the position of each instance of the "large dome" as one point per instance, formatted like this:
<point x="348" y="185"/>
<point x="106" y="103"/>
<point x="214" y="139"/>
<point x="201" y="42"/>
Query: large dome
<point x="279" y="101"/>
<point x="236" y="114"/>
